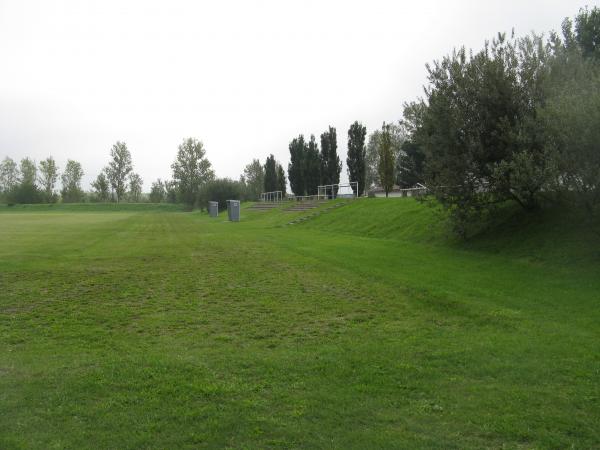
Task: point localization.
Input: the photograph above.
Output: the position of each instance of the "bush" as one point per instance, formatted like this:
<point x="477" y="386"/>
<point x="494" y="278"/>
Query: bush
<point x="221" y="190"/>
<point x="24" y="193"/>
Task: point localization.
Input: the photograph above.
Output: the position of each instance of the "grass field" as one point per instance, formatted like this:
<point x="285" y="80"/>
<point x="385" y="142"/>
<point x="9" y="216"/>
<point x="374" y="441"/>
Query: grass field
<point x="365" y="327"/>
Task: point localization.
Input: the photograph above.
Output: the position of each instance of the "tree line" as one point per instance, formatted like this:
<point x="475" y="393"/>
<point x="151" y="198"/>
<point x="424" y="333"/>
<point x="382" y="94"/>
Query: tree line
<point x="193" y="180"/>
<point x="516" y="122"/>
<point x="28" y="182"/>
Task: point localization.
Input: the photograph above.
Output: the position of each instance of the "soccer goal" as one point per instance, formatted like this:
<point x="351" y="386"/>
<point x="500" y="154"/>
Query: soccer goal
<point x="341" y="190"/>
<point x="274" y="196"/>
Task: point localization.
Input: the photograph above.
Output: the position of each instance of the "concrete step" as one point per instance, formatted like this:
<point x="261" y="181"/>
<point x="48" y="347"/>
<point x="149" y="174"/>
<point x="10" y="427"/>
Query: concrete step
<point x="314" y="214"/>
<point x="264" y="206"/>
<point x="302" y="206"/>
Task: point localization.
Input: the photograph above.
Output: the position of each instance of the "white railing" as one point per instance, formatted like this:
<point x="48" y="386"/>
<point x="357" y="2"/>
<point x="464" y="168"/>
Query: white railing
<point x="302" y="198"/>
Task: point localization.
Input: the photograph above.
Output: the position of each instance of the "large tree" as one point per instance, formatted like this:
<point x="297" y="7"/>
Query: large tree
<point x="480" y="126"/>
<point x="119" y="168"/>
<point x="356" y="155"/>
<point x="271" y="174"/>
<point x="191" y="170"/>
<point x="387" y="161"/>
<point x="331" y="166"/>
<point x="296" y="167"/>
<point x="71" y="191"/>
<point x="48" y="178"/>
<point x="254" y="177"/>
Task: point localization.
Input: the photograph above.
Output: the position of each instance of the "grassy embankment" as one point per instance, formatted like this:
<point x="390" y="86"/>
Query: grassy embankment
<point x="366" y="327"/>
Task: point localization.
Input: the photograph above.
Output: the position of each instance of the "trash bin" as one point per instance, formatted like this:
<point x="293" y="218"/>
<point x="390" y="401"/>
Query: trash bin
<point x="213" y="209"/>
<point x="233" y="210"/>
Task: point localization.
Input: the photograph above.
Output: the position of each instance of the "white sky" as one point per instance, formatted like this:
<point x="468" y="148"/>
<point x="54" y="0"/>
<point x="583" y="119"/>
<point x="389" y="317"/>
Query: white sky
<point x="245" y="77"/>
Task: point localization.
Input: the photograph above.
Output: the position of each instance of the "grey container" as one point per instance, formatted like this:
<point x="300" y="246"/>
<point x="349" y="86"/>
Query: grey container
<point x="233" y="210"/>
<point x="213" y="209"/>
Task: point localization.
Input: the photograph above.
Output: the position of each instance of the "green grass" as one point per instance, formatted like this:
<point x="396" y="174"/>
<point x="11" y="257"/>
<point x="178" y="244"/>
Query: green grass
<point x="91" y="207"/>
<point x="365" y="327"/>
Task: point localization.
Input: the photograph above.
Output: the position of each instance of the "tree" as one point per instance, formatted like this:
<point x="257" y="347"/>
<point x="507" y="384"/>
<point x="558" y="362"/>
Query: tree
<point x="386" y="159"/>
<point x="397" y="135"/>
<point x="26" y="190"/>
<point x="570" y="117"/>
<point x="48" y="178"/>
<point x="102" y="187"/>
<point x="312" y="167"/>
<point x="71" y="182"/>
<point x="135" y="187"/>
<point x="356" y="155"/>
<point x="119" y="168"/>
<point x="296" y="167"/>
<point x="481" y="116"/>
<point x="157" y="192"/>
<point x="331" y="166"/>
<point x="371" y="160"/>
<point x="9" y="176"/>
<point x="587" y="32"/>
<point x="28" y="171"/>
<point x="281" y="182"/>
<point x="254" y="177"/>
<point x="270" y="174"/>
<point x="410" y="165"/>
<point x="191" y="170"/>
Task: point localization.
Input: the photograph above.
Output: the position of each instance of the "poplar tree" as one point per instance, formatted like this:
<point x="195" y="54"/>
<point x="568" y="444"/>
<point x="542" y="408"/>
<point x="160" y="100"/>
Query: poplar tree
<point x="71" y="182"/>
<point x="386" y="160"/>
<point x="331" y="166"/>
<point x="119" y="168"/>
<point x="312" y="167"/>
<point x="356" y="155"/>
<point x="270" y="174"/>
<point x="281" y="182"/>
<point x="296" y="167"/>
<point x="48" y="178"/>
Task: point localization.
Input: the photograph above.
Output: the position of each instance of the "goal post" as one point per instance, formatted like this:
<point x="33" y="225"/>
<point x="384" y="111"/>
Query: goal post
<point x="274" y="196"/>
<point x="340" y="190"/>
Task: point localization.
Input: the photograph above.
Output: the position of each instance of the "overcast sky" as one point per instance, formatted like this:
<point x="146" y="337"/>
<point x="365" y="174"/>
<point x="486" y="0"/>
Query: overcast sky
<point x="244" y="77"/>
